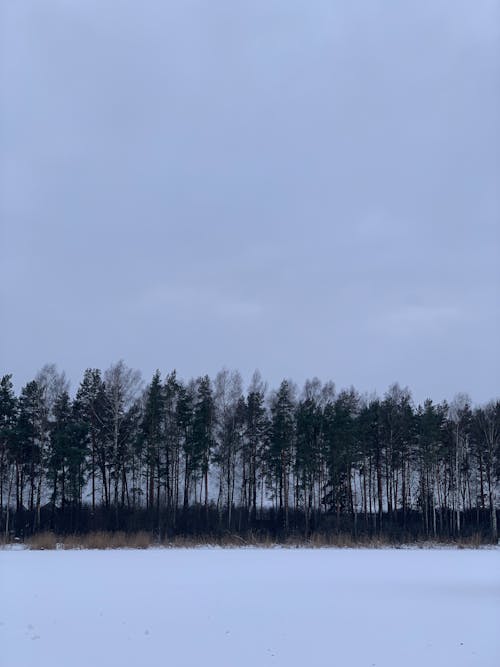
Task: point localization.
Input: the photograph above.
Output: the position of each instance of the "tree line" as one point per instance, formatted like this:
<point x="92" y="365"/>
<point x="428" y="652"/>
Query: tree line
<point x="206" y="457"/>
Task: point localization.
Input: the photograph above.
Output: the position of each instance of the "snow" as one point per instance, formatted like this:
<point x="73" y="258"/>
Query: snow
<point x="242" y="607"/>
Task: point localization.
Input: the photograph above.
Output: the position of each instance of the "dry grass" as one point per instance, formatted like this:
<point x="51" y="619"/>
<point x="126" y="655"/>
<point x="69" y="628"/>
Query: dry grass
<point x="473" y="542"/>
<point x="103" y="540"/>
<point x="346" y="541"/>
<point x="42" y="541"/>
<point x="229" y="540"/>
<point x="144" y="540"/>
<point x="97" y="540"/>
<point x="318" y="540"/>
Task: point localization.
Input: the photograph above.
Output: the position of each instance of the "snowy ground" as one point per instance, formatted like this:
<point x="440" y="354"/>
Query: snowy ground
<point x="242" y="607"/>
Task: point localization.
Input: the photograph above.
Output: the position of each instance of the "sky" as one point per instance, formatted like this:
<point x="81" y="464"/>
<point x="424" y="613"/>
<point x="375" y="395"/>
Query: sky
<point x="307" y="188"/>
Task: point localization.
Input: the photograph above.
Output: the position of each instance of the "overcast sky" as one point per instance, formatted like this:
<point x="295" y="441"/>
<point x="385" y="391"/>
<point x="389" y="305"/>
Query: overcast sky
<point x="308" y="188"/>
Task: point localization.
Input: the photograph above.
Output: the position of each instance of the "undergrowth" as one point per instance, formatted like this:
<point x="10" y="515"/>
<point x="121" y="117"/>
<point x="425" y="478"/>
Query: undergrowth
<point x="145" y="540"/>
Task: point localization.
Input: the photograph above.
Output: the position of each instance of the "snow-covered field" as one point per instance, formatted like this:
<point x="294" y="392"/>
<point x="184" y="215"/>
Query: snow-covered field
<point x="242" y="607"/>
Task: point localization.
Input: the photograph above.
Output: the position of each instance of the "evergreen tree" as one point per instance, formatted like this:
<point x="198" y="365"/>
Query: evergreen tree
<point x="8" y="423"/>
<point x="281" y="446"/>
<point x="29" y="443"/>
<point x="151" y="430"/>
<point x="90" y="403"/>
<point x="255" y="441"/>
<point x="331" y="458"/>
<point x="203" y="439"/>
<point x="340" y="452"/>
<point x="309" y="432"/>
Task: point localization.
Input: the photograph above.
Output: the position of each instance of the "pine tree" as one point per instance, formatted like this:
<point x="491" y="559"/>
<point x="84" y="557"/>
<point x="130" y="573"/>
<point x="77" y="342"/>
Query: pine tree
<point x="30" y="435"/>
<point x="203" y="438"/>
<point x="309" y="425"/>
<point x="255" y="442"/>
<point x="8" y="423"/>
<point x="281" y="446"/>
<point x="185" y="409"/>
<point x="60" y="443"/>
<point x="90" y="402"/>
<point x="151" y="431"/>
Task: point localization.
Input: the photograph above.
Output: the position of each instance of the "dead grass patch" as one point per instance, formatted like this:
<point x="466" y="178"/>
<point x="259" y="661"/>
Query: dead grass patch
<point x="96" y="540"/>
<point x="145" y="540"/>
<point x="42" y="541"/>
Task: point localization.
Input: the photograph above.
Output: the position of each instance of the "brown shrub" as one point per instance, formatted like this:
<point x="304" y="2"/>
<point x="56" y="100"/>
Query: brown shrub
<point x="42" y="541"/>
<point x="144" y="540"/>
<point x="96" y="540"/>
<point x="474" y="541"/>
<point x="103" y="540"/>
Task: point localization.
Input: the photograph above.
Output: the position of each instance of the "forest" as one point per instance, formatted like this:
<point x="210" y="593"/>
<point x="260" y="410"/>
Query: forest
<point x="206" y="457"/>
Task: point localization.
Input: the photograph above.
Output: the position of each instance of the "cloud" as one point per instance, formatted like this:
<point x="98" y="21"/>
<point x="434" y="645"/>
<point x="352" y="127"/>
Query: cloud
<point x="418" y="320"/>
<point x="300" y="182"/>
<point x="197" y="302"/>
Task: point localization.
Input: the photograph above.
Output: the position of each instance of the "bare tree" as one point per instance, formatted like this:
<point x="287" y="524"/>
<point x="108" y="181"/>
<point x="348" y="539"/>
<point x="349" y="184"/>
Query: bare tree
<point x="227" y="395"/>
<point x="488" y="419"/>
<point x="460" y="416"/>
<point x="122" y="385"/>
<point x="53" y="384"/>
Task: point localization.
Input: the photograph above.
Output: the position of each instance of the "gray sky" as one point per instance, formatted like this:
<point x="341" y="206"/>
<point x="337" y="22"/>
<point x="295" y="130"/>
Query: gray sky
<point x="310" y="188"/>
